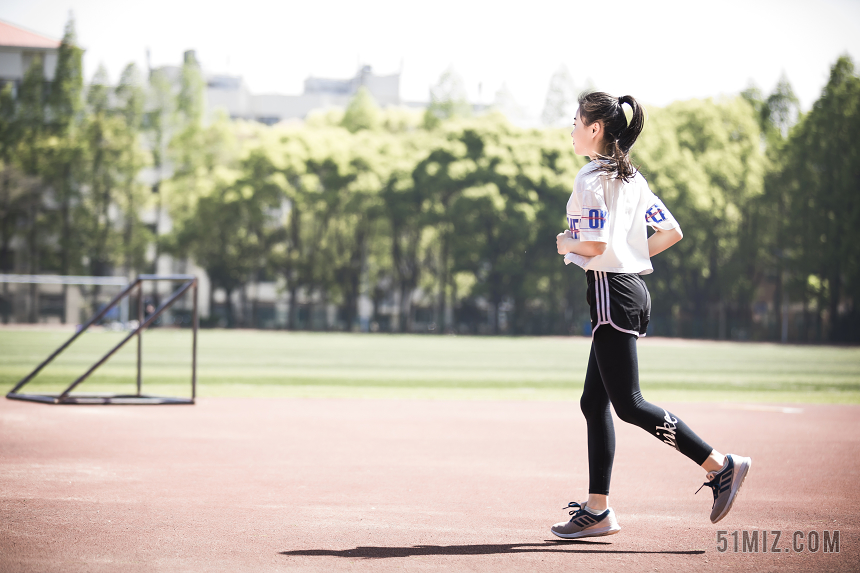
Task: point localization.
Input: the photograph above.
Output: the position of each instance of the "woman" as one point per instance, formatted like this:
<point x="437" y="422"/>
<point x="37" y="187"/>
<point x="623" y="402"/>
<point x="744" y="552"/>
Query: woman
<point x="608" y="214"/>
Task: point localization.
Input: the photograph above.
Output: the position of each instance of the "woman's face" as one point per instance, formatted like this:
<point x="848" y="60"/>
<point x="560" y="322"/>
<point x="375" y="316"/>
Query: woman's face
<point x="584" y="136"/>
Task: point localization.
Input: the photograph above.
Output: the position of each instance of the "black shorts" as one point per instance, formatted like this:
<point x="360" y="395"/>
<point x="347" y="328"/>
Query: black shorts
<point x="620" y="300"/>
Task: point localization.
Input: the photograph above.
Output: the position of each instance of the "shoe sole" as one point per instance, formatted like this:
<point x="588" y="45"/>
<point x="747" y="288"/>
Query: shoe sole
<point x="735" y="492"/>
<point x="603" y="531"/>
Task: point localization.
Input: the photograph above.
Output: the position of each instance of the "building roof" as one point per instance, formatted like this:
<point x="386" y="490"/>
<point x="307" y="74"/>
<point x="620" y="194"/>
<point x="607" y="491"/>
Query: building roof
<point x="15" y="36"/>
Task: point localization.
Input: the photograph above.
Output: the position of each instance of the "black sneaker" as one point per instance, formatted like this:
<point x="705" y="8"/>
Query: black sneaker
<point x="586" y="524"/>
<point x="726" y="484"/>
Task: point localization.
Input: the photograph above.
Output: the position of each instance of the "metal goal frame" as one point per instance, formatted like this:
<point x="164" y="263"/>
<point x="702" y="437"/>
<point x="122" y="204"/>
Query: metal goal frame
<point x="189" y="282"/>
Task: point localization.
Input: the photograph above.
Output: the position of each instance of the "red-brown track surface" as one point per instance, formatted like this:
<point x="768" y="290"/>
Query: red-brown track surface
<point x="378" y="485"/>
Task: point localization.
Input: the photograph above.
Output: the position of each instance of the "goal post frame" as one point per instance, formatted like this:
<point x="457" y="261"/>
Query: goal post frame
<point x="189" y="282"/>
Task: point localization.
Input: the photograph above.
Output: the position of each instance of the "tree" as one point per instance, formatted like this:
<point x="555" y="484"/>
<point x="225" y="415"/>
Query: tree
<point x="705" y="160"/>
<point x="438" y="178"/>
<point x="499" y="215"/>
<point x="102" y="131"/>
<point x="193" y="151"/>
<point x="221" y="237"/>
<point x="65" y="111"/>
<point x="191" y="100"/>
<point x="31" y="118"/>
<point x="10" y="189"/>
<point x="15" y="189"/>
<point x="778" y="112"/>
<point x="362" y="112"/>
<point x="494" y="197"/>
<point x="64" y="101"/>
<point x="405" y="211"/>
<point x="130" y="99"/>
<point x="321" y="231"/>
<point x="360" y="212"/>
<point x="328" y="172"/>
<point x="447" y="100"/>
<point x="782" y="107"/>
<point x="202" y="152"/>
<point x="159" y="125"/>
<point x="822" y="156"/>
<point x="769" y="229"/>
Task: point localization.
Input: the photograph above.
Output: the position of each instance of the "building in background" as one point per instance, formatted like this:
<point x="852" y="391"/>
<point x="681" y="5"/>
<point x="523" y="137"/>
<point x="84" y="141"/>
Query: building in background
<point x="19" y="48"/>
<point x="232" y="95"/>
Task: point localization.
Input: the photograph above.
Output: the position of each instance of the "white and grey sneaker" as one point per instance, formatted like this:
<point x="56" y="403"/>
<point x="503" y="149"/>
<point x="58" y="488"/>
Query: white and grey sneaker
<point x="586" y="524"/>
<point x="726" y="483"/>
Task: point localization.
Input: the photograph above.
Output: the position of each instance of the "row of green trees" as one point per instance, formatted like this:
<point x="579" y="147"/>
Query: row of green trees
<point x="82" y="164"/>
<point x="446" y="219"/>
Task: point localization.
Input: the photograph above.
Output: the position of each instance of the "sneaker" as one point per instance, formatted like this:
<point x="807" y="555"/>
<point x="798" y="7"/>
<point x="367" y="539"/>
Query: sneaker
<point x="586" y="524"/>
<point x="726" y="484"/>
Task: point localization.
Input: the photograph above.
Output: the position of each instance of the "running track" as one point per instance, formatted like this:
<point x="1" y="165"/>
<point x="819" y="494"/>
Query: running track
<point x="367" y="485"/>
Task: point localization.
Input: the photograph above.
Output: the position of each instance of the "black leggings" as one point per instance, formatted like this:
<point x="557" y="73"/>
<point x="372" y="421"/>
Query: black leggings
<point x="613" y="376"/>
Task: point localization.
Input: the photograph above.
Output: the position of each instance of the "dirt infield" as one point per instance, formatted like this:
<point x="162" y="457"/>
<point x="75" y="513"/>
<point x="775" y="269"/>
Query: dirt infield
<point x="322" y="485"/>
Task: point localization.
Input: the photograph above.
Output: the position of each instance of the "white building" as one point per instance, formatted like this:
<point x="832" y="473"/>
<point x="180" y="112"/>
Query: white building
<point x="231" y="94"/>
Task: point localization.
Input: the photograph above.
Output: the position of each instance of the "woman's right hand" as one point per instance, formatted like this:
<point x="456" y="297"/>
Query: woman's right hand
<point x="565" y="243"/>
<point x="562" y="242"/>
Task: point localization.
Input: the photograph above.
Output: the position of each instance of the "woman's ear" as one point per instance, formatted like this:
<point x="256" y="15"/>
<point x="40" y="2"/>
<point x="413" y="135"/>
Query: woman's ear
<point x="596" y="130"/>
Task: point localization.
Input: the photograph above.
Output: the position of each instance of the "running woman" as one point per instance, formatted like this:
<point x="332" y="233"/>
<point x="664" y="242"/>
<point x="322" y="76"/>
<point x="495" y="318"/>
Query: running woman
<point x="608" y="214"/>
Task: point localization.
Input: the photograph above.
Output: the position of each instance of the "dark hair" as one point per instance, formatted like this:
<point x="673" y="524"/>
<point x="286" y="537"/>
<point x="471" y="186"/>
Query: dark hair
<point x="618" y="136"/>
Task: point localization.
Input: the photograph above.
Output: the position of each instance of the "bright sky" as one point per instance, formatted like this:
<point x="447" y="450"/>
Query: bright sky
<point x="658" y="51"/>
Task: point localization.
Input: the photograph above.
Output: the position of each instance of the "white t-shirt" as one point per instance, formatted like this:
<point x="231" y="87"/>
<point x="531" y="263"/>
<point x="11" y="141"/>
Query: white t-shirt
<point x="608" y="210"/>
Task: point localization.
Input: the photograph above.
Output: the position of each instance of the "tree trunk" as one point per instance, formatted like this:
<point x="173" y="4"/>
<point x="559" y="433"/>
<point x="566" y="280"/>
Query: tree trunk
<point x="243" y="306"/>
<point x="353" y="278"/>
<point x="376" y="299"/>
<point x="211" y="303"/>
<point x="157" y="254"/>
<point x="33" y="266"/>
<point x="128" y="234"/>
<point x="325" y="300"/>
<point x="255" y="307"/>
<point x="454" y="323"/>
<point x="441" y="325"/>
<point x="229" y="302"/>
<point x="291" y="315"/>
<point x="804" y="335"/>
<point x="7" y="264"/>
<point x="66" y="232"/>
<point x="779" y="295"/>
<point x="835" y="295"/>
<point x="405" y="296"/>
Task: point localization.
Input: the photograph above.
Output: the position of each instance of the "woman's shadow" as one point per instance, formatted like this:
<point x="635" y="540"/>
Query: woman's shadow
<point x="549" y="546"/>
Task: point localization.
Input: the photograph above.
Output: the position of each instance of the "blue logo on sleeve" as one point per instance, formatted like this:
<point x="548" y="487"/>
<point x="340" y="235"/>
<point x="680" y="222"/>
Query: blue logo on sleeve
<point x="596" y="218"/>
<point x="573" y="223"/>
<point x="655" y="214"/>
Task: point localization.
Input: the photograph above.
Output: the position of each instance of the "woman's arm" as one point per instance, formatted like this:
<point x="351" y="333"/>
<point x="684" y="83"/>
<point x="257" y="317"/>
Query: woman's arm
<point x="663" y="239"/>
<point x="565" y="243"/>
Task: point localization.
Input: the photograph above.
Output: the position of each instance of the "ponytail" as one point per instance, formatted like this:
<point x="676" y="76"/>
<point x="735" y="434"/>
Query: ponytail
<point x="618" y="135"/>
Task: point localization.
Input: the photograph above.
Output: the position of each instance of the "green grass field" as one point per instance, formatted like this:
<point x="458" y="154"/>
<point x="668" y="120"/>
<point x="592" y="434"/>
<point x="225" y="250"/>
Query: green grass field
<point x="265" y="363"/>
